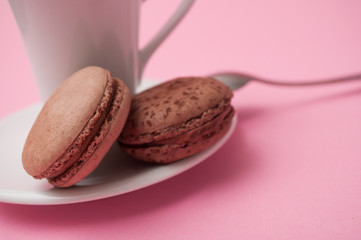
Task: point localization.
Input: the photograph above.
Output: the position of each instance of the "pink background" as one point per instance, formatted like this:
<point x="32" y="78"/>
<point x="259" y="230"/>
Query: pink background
<point x="292" y="170"/>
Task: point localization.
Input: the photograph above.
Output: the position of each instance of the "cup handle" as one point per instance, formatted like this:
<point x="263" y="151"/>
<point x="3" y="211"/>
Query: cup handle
<point x="168" y="27"/>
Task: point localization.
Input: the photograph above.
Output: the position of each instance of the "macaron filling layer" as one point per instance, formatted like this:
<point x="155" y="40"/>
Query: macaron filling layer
<point x="197" y="134"/>
<point x="112" y="99"/>
<point x="184" y="135"/>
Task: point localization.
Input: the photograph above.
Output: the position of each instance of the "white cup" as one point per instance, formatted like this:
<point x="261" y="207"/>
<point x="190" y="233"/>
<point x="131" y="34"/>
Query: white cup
<point x="63" y="36"/>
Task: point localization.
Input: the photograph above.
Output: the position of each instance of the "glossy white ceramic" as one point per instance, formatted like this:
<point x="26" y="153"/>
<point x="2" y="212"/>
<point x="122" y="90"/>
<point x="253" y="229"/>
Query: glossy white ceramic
<point x="61" y="37"/>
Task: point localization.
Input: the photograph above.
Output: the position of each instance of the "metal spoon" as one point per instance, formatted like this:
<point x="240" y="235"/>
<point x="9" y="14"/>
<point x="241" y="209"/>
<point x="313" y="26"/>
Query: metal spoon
<point x="236" y="80"/>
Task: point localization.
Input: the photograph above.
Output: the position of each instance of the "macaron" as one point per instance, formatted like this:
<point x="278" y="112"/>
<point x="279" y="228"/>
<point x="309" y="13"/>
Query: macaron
<point x="177" y="119"/>
<point x="76" y="127"/>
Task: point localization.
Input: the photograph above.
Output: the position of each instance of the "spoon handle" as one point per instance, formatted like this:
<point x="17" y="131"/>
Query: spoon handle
<point x="236" y="80"/>
<point x="309" y="82"/>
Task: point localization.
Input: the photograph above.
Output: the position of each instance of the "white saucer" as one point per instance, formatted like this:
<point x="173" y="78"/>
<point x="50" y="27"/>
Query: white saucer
<point x="117" y="174"/>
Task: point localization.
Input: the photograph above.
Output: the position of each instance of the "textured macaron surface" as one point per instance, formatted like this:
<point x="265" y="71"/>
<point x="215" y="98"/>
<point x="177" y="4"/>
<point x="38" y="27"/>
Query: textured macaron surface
<point x="175" y="115"/>
<point x="172" y="105"/>
<point x="68" y="122"/>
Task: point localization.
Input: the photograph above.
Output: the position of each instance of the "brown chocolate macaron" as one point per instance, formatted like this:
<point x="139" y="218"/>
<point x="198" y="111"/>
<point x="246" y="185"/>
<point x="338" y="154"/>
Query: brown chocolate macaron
<point x="76" y="127"/>
<point x="177" y="119"/>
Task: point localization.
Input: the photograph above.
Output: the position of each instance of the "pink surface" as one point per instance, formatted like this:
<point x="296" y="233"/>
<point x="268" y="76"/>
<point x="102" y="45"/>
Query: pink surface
<point x="292" y="169"/>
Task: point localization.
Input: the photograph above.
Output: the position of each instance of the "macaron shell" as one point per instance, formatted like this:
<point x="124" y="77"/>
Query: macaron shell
<point x="169" y="104"/>
<point x="105" y="139"/>
<point x="62" y="118"/>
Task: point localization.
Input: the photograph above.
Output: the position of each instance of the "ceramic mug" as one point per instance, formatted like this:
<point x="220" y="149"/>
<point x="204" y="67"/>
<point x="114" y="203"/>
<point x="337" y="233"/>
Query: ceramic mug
<point x="63" y="36"/>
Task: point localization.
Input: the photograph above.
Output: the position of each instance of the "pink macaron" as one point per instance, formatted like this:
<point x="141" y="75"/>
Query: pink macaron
<point x="76" y="127"/>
